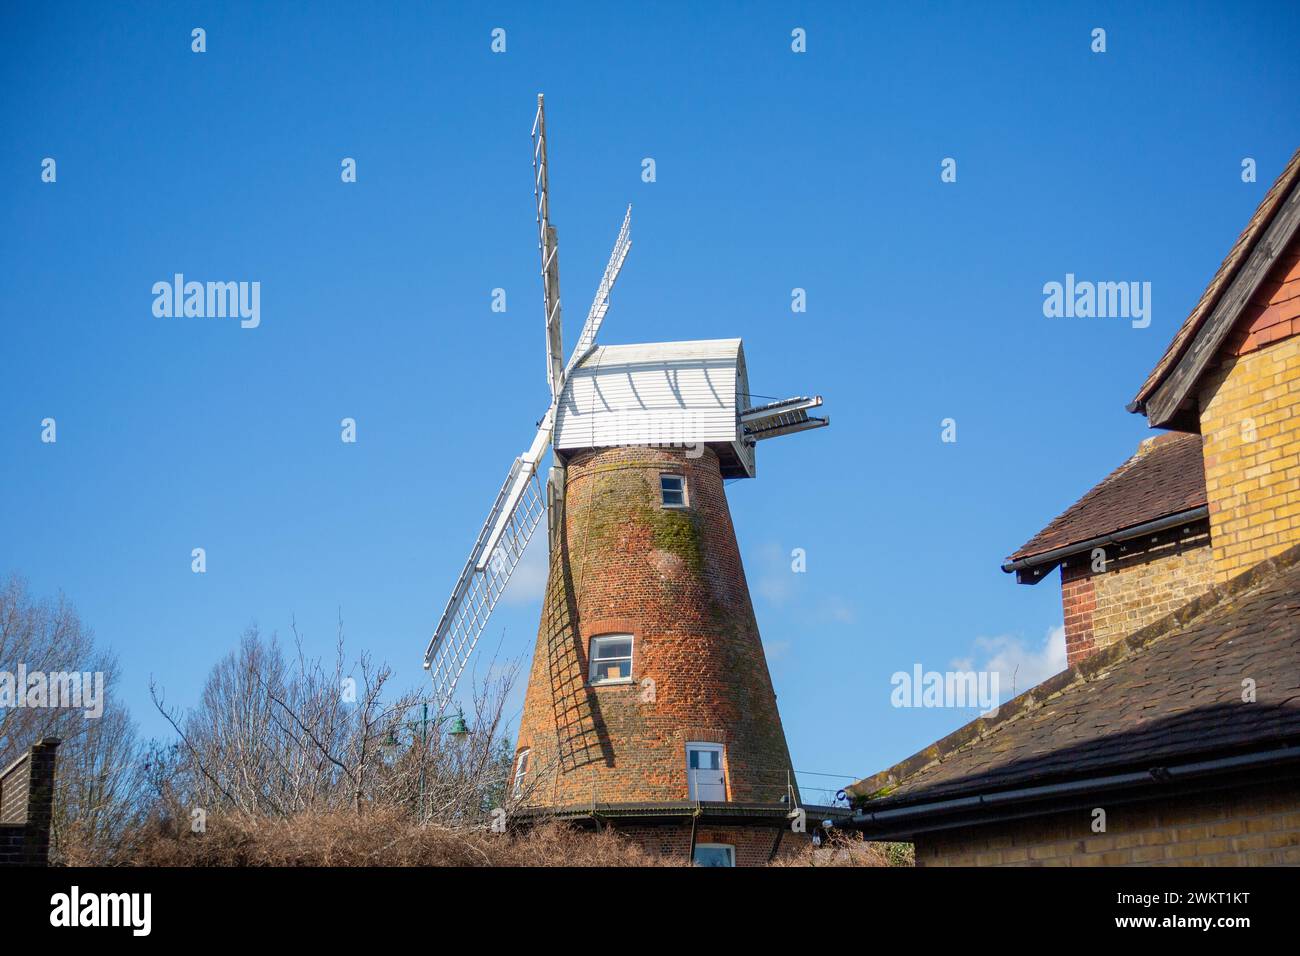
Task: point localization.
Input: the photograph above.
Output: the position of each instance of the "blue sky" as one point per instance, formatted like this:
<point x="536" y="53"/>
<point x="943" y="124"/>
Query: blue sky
<point x="775" y="170"/>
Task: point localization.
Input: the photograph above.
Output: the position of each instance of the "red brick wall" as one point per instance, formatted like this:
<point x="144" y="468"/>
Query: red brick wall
<point x="673" y="579"/>
<point x="1274" y="311"/>
<point x="1078" y="601"/>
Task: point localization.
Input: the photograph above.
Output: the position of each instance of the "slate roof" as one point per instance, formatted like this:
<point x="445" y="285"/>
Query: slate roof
<point x="1237" y="255"/>
<point x="1165" y="477"/>
<point x="1170" y="692"/>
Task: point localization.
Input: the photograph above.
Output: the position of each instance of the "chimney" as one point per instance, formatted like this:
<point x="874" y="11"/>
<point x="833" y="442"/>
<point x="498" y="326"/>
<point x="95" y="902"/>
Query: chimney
<point x="27" y="806"/>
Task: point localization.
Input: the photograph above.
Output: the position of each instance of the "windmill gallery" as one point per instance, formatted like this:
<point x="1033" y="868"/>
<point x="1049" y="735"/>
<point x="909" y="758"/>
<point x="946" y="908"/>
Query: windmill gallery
<point x="649" y="705"/>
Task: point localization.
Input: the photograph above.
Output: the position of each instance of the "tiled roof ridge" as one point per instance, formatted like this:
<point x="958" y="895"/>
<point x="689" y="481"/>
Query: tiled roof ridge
<point x="1147" y="445"/>
<point x="1236" y="256"/>
<point x="1090" y="668"/>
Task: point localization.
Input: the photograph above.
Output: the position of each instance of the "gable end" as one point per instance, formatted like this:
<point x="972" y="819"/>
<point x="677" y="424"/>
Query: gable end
<point x="1167" y="406"/>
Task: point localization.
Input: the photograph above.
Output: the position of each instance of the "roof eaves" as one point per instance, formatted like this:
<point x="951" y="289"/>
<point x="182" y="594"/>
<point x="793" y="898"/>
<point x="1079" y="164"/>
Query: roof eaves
<point x="905" y="821"/>
<point x="1030" y="555"/>
<point x="1056" y="555"/>
<point x="879" y="786"/>
<point x="1090" y="493"/>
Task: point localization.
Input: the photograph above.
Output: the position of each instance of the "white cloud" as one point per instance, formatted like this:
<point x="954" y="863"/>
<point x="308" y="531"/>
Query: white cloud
<point x="837" y="610"/>
<point x="1019" y="665"/>
<point x="528" y="582"/>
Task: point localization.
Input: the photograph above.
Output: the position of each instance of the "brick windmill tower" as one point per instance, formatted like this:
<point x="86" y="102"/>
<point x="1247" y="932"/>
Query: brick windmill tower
<point x="649" y="705"/>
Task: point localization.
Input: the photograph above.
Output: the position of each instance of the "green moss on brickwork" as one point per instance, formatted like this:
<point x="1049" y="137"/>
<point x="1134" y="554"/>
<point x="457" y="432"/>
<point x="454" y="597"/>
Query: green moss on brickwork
<point x="677" y="533"/>
<point x="599" y="518"/>
<point x="674" y="531"/>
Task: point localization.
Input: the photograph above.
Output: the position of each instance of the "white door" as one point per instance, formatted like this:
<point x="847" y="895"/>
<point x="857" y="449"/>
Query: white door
<point x="704" y="773"/>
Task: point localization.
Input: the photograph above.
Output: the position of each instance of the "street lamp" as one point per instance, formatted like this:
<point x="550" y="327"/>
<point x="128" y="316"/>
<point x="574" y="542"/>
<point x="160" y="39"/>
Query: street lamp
<point x="458" y="726"/>
<point x="458" y="729"/>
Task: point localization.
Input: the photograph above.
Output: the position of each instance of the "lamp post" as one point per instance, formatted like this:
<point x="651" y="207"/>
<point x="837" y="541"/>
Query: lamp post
<point x="458" y="729"/>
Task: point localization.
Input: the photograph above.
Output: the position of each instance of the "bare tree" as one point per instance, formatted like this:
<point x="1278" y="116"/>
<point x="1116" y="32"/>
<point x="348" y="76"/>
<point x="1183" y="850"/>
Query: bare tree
<point x="455" y="780"/>
<point x="98" y="786"/>
<point x="275" y="737"/>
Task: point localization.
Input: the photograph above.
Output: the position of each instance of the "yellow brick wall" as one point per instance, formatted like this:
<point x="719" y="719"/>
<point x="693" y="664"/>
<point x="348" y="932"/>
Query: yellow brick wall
<point x="1143" y="586"/>
<point x="1250" y="420"/>
<point x="1249" y="826"/>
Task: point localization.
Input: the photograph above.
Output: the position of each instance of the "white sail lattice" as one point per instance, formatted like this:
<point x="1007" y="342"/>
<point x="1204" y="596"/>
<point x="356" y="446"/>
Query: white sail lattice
<point x="479" y="588"/>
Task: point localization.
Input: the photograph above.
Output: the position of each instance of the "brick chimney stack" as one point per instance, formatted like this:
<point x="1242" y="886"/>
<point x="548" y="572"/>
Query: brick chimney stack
<point x="27" y="806"/>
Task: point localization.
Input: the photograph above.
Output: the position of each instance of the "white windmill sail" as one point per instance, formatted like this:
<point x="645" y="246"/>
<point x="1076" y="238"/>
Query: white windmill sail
<point x="520" y="505"/>
<point x="587" y="338"/>
<point x="549" y="244"/>
<point x="484" y="578"/>
<point x="784" y="417"/>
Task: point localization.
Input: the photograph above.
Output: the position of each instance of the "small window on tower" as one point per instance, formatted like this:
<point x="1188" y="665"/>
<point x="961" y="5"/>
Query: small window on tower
<point x="715" y="854"/>
<point x="611" y="659"/>
<point x="521" y="770"/>
<point x="673" y="488"/>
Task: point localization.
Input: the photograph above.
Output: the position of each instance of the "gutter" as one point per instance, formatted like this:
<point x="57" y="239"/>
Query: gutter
<point x="1056" y="555"/>
<point x="719" y="812"/>
<point x="961" y="807"/>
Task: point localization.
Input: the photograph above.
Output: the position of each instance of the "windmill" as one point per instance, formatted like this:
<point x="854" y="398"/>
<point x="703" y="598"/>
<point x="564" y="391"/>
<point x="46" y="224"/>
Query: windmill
<point x="618" y="417"/>
<point x="521" y="503"/>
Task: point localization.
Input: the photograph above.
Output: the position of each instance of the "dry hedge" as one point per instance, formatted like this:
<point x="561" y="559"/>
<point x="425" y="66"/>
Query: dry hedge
<point x="382" y="837"/>
<point x="377" y="838"/>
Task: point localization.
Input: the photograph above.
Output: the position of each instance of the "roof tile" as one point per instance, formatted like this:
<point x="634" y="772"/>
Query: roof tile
<point x="1164" y="477"/>
<point x="1171" y="691"/>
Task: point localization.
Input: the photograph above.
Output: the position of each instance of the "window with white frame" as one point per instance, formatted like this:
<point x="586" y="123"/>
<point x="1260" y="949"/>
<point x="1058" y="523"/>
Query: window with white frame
<point x="715" y="854"/>
<point x="611" y="659"/>
<point x="521" y="769"/>
<point x="672" y="489"/>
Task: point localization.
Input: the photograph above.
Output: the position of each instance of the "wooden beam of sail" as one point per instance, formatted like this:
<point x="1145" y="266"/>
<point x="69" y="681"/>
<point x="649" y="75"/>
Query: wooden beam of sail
<point x="782" y="418"/>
